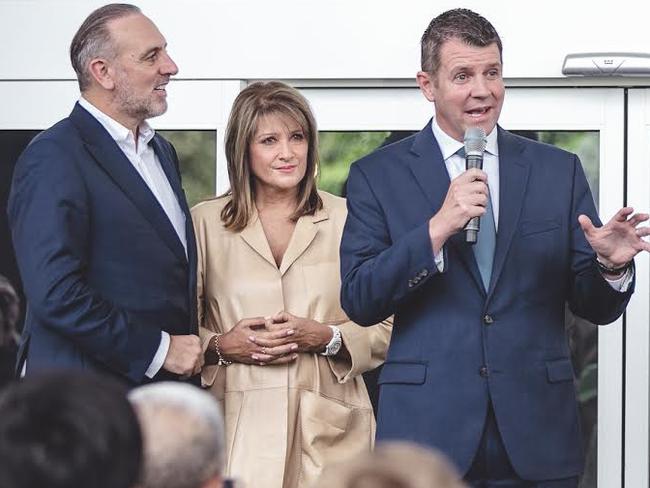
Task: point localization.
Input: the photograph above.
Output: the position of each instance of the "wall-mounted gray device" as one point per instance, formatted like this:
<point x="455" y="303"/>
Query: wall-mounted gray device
<point x="606" y="64"/>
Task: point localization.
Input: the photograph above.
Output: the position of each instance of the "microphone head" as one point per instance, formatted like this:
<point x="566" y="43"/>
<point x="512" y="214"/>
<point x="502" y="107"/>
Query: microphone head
<point x="474" y="140"/>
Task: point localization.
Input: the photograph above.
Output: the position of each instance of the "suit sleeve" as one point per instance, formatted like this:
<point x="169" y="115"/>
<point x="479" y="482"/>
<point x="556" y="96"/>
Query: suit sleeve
<point x="50" y="222"/>
<point x="377" y="272"/>
<point x="591" y="296"/>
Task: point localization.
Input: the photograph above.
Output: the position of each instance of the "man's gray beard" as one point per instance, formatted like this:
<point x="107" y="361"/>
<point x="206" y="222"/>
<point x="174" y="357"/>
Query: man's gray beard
<point x="135" y="107"/>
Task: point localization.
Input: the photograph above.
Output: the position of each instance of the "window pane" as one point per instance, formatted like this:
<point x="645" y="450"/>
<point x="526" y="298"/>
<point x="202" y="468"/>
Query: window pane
<point x="338" y="150"/>
<point x="197" y="153"/>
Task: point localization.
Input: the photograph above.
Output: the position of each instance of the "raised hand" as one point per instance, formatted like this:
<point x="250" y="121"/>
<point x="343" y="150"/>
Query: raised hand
<point x="240" y="345"/>
<point x="619" y="240"/>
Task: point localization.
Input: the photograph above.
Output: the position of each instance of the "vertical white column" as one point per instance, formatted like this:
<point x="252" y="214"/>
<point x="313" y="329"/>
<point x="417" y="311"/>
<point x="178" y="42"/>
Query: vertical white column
<point x="637" y="338"/>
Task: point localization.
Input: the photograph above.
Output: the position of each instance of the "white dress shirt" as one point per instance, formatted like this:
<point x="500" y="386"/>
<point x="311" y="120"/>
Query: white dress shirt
<point x="455" y="165"/>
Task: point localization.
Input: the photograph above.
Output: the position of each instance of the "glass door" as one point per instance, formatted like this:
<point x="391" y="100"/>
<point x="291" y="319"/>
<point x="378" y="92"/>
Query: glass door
<point x="589" y="122"/>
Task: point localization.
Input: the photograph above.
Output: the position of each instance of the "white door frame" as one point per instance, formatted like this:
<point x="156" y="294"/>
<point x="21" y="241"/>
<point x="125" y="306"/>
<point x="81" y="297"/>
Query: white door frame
<point x="637" y="340"/>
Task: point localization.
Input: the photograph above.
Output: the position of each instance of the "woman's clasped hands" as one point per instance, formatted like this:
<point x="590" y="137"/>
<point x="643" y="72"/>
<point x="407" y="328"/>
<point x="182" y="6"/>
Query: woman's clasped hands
<point x="273" y="340"/>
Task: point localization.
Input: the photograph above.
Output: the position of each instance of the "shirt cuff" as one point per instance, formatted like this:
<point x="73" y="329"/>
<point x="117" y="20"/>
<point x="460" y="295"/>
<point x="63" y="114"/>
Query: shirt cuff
<point x="623" y="283"/>
<point x="439" y="260"/>
<point x="161" y="354"/>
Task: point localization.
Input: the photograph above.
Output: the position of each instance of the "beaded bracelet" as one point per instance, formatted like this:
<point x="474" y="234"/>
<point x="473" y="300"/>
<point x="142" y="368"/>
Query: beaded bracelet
<point x="221" y="361"/>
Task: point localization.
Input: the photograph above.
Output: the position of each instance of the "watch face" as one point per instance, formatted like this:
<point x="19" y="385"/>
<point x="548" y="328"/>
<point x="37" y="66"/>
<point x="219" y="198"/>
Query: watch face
<point x="336" y="344"/>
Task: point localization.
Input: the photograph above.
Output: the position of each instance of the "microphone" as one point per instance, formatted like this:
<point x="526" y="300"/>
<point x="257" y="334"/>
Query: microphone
<point x="475" y="143"/>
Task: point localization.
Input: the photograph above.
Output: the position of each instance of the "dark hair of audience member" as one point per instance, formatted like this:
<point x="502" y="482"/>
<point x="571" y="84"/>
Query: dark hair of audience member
<point x="68" y="431"/>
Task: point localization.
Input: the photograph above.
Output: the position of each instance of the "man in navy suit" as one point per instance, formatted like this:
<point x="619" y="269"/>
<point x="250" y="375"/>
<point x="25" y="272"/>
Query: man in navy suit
<point x="99" y="220"/>
<point x="478" y="364"/>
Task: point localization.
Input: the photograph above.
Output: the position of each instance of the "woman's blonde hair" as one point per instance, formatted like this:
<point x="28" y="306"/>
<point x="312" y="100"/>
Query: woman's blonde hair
<point x="252" y="103"/>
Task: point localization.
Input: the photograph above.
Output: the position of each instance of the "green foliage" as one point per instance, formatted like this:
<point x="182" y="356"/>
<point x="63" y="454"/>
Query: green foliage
<point x="338" y="150"/>
<point x="197" y="153"/>
<point x="588" y="383"/>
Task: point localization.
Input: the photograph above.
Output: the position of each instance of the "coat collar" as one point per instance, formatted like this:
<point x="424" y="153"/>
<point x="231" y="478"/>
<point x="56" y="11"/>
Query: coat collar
<point x="304" y="233"/>
<point x="114" y="162"/>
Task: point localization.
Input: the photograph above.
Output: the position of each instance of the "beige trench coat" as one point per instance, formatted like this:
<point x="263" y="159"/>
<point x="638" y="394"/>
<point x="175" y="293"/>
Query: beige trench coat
<point x="285" y="422"/>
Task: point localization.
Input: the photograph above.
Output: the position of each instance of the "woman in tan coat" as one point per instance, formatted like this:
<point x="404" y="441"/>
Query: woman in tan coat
<point x="281" y="355"/>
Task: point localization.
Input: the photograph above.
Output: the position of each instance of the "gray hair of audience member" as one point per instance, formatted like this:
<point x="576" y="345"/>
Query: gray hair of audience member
<point x="183" y="433"/>
<point x="392" y="465"/>
<point x="460" y="23"/>
<point x="93" y="39"/>
<point x="9" y="312"/>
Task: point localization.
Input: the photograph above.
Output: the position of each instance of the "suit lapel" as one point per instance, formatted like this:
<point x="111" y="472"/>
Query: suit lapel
<point x="115" y="163"/>
<point x="514" y="169"/>
<point x="431" y="174"/>
<point x="428" y="167"/>
<point x="303" y="235"/>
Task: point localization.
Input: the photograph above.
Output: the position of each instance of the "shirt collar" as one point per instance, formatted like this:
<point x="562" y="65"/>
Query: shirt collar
<point x="117" y="131"/>
<point x="450" y="146"/>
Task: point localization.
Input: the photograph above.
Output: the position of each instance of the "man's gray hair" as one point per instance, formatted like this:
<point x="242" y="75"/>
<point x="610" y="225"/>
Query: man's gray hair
<point x="183" y="434"/>
<point x="93" y="39"/>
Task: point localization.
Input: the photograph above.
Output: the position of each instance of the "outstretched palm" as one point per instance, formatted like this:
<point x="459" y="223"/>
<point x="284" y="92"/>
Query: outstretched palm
<point x="619" y="240"/>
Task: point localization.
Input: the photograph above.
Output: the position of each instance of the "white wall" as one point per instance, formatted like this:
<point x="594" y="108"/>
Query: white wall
<point x="324" y="39"/>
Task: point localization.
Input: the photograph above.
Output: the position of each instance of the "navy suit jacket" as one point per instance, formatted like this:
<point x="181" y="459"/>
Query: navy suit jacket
<point x="456" y="346"/>
<point x="102" y="267"/>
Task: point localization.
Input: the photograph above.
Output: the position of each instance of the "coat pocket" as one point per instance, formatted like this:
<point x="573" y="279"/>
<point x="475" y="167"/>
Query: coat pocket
<point x="405" y="373"/>
<point x="532" y="227"/>
<point x="559" y="370"/>
<point x="330" y="431"/>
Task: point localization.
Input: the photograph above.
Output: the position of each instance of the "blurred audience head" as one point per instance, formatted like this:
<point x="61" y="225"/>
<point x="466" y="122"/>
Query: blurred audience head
<point x="393" y="465"/>
<point x="254" y="103"/>
<point x="183" y="433"/>
<point x="9" y="312"/>
<point x="68" y="431"/>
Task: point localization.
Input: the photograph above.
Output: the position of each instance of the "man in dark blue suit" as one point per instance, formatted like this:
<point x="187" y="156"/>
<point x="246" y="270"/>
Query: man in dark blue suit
<point x="99" y="220"/>
<point x="479" y="364"/>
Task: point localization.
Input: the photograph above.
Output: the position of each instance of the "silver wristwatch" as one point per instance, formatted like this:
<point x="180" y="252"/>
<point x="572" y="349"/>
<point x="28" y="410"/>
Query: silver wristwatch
<point x="334" y="345"/>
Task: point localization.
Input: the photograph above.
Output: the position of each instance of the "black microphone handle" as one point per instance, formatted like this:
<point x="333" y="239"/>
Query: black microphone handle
<point x="474" y="225"/>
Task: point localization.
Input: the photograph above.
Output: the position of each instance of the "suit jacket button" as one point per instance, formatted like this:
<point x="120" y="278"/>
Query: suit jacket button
<point x="487" y="319"/>
<point x="424" y="272"/>
<point x="483" y="371"/>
